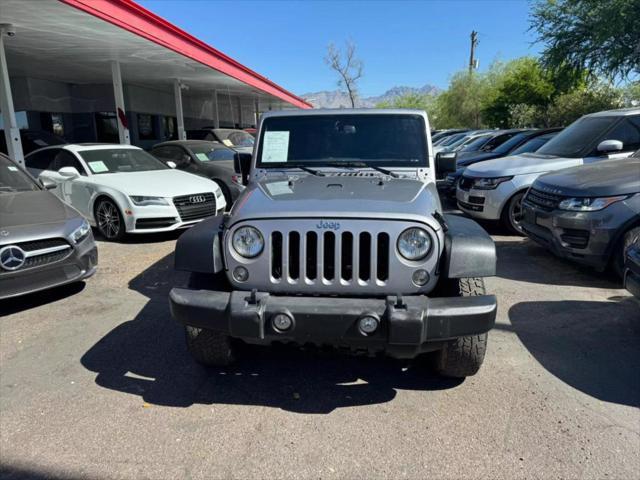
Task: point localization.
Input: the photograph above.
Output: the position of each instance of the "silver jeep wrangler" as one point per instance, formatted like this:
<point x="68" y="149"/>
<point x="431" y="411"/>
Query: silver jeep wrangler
<point x="339" y="239"/>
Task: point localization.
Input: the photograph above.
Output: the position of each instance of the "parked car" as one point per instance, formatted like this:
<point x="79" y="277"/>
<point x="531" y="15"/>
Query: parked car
<point x="339" y="239"/>
<point x="207" y="159"/>
<point x="493" y="190"/>
<point x="455" y="141"/>
<point x="587" y="213"/>
<point x="122" y="189"/>
<point x="521" y="142"/>
<point x="44" y="243"/>
<point x="32" y="140"/>
<point x="441" y="135"/>
<point x="231" y="137"/>
<point x="632" y="268"/>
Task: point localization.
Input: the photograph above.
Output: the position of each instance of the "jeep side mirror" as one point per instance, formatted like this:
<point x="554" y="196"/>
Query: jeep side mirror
<point x="242" y="165"/>
<point x="446" y="162"/>
<point x="608" y="146"/>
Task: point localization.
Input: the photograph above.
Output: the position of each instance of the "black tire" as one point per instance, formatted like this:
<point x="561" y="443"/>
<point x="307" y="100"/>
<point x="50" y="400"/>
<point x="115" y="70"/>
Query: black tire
<point x="109" y="220"/>
<point x="463" y="356"/>
<point x="209" y="348"/>
<point x="620" y="251"/>
<point x="512" y="214"/>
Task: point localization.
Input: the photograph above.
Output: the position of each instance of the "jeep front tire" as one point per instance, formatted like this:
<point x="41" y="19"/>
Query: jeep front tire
<point x="209" y="348"/>
<point x="463" y="356"/>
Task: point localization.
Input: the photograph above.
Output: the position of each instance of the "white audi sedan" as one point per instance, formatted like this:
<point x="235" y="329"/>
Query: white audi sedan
<point x="122" y="189"/>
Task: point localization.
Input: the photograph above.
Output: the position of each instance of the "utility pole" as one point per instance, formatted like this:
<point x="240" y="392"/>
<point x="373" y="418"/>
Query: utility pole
<point x="472" y="57"/>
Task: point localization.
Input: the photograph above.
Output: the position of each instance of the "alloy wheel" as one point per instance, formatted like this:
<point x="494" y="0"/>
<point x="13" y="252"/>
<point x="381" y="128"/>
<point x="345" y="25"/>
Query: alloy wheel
<point x="108" y="219"/>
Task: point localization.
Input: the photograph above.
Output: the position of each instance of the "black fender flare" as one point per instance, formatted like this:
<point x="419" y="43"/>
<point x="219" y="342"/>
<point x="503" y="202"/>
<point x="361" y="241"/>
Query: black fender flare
<point x="199" y="249"/>
<point x="469" y="251"/>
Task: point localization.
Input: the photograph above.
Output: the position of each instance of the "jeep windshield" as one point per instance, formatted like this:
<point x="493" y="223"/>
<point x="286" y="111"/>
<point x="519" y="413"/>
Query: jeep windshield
<point x="390" y="140"/>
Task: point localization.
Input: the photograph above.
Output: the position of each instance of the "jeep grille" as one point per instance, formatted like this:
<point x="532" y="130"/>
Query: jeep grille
<point x="329" y="256"/>
<point x="334" y="256"/>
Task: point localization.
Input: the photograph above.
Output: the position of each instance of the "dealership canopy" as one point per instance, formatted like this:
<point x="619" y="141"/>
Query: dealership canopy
<point x="79" y="57"/>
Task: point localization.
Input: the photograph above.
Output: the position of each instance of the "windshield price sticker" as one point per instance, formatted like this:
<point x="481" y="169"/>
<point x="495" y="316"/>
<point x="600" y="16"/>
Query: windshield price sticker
<point x="98" y="167"/>
<point x="275" y="147"/>
<point x="12" y="168"/>
<point x="202" y="156"/>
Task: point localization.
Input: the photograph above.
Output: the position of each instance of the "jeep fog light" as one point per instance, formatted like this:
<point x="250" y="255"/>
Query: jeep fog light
<point x="420" y="277"/>
<point x="368" y="325"/>
<point x="240" y="274"/>
<point x="281" y="322"/>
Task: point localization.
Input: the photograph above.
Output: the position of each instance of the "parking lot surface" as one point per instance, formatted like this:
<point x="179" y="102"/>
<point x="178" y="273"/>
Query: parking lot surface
<point x="95" y="381"/>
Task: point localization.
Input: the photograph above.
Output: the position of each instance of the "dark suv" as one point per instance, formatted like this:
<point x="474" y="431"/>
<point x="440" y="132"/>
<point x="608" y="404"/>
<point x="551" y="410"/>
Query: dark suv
<point x="589" y="213"/>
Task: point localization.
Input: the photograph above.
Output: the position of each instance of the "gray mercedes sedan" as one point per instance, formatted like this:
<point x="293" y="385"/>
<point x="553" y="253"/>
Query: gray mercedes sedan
<point x="43" y="241"/>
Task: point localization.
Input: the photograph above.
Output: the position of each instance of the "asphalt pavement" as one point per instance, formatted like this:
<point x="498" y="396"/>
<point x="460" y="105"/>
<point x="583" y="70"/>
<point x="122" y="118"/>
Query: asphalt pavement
<point x="95" y="382"/>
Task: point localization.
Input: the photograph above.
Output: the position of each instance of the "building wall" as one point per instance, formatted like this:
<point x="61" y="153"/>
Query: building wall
<point x="80" y="108"/>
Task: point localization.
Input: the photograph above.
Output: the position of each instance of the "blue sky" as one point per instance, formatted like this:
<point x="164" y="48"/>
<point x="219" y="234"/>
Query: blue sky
<point x="401" y="43"/>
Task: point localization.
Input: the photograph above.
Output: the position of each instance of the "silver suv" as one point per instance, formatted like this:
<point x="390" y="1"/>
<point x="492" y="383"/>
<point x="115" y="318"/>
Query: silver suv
<point x="339" y="239"/>
<point x="493" y="190"/>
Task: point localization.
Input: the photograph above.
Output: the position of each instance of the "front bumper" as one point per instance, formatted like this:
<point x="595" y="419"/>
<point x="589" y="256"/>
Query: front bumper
<point x="81" y="264"/>
<point x="163" y="222"/>
<point x="583" y="237"/>
<point x="484" y="204"/>
<point x="407" y="326"/>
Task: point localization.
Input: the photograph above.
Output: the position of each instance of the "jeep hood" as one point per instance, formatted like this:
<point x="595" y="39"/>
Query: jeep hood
<point x="600" y="179"/>
<point x="337" y="196"/>
<point x="525" y="164"/>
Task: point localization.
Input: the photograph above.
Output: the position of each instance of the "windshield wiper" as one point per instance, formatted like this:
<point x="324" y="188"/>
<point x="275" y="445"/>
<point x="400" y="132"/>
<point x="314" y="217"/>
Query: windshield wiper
<point x="307" y="169"/>
<point x="363" y="165"/>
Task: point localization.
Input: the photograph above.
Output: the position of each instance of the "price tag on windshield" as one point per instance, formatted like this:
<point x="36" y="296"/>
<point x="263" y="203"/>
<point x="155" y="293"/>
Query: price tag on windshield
<point x="98" y="167"/>
<point x="275" y="147"/>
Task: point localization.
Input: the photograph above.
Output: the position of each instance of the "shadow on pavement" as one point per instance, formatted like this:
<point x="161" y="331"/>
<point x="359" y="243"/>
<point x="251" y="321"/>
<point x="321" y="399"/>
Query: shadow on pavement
<point x="37" y="299"/>
<point x="592" y="346"/>
<point x="526" y="261"/>
<point x="147" y="356"/>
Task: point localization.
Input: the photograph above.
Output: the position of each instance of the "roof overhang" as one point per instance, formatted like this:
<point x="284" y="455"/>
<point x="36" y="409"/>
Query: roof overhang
<point x="76" y="40"/>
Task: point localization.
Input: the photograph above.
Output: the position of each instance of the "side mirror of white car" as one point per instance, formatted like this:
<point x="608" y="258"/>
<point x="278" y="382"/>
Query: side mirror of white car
<point x="608" y="146"/>
<point x="171" y="165"/>
<point x="47" y="183"/>
<point x="69" y="172"/>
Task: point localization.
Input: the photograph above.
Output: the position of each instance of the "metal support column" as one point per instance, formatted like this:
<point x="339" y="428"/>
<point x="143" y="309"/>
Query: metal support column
<point x="257" y="111"/>
<point x="216" y="112"/>
<point x="239" y="112"/>
<point x="177" y="93"/>
<point x="121" y="112"/>
<point x="11" y="131"/>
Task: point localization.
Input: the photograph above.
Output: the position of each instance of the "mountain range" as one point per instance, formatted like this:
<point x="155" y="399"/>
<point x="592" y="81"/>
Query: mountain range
<point x="340" y="99"/>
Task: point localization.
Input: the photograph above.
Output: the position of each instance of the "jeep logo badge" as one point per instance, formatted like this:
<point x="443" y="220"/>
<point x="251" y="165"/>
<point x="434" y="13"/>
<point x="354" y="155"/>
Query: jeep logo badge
<point x="324" y="225"/>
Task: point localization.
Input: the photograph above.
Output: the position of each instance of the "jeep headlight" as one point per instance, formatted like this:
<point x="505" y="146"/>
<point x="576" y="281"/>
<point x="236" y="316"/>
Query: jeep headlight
<point x="248" y="242"/>
<point x="81" y="232"/>
<point x="414" y="243"/>
<point x="589" y="204"/>
<point x="142" y="201"/>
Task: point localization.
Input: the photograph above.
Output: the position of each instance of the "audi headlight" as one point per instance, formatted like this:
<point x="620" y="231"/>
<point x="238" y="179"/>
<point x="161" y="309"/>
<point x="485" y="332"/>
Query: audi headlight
<point x="489" y="183"/>
<point x="589" y="204"/>
<point x="248" y="242"/>
<point x="414" y="243"/>
<point x="81" y="232"/>
<point x="148" y="201"/>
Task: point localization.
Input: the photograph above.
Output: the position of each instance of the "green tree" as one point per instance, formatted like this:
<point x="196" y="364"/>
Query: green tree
<point x="461" y="104"/>
<point x="601" y="36"/>
<point x="572" y="105"/>
<point x="522" y="83"/>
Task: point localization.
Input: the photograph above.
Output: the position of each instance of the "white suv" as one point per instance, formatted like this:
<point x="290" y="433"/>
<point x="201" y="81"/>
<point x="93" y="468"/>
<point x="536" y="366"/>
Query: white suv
<point x="493" y="190"/>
